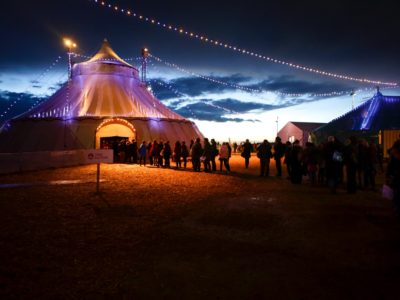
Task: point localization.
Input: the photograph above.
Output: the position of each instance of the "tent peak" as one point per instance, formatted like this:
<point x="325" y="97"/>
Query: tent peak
<point x="106" y="53"/>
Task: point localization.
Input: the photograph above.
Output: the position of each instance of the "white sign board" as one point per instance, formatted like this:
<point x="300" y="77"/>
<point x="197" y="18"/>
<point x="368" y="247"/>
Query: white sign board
<point x="96" y="156"/>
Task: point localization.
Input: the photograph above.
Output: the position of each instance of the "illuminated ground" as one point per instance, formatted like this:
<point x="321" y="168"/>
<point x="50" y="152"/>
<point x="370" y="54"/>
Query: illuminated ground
<point x="157" y="233"/>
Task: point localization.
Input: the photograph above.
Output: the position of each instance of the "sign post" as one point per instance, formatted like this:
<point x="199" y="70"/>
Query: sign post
<point x="98" y="179"/>
<point x="97" y="156"/>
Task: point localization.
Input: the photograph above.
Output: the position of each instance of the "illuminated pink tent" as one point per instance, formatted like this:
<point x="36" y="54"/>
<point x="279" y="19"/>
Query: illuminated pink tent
<point x="104" y="98"/>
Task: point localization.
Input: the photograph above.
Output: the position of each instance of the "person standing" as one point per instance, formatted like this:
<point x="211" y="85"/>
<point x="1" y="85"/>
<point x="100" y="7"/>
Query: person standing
<point x="393" y="175"/>
<point x="246" y="153"/>
<point x="296" y="159"/>
<point x="214" y="153"/>
<point x="154" y="153"/>
<point x="350" y="161"/>
<point x="224" y="157"/>
<point x="264" y="154"/>
<point x="207" y="153"/>
<point x="142" y="153"/>
<point x="149" y="146"/>
<point x="196" y="152"/>
<point x="235" y="146"/>
<point x="159" y="154"/>
<point x="310" y="162"/>
<point x="286" y="160"/>
<point x="134" y="151"/>
<point x="185" y="153"/>
<point x="177" y="154"/>
<point x="167" y="152"/>
<point x="279" y="152"/>
<point x="333" y="159"/>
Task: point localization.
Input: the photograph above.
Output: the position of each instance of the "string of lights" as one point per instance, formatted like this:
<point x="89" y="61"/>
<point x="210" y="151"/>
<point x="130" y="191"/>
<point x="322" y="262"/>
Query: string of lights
<point x="168" y="86"/>
<point x="241" y="87"/>
<point x="74" y="54"/>
<point x="204" y="38"/>
<point x="248" y="89"/>
<point x="40" y="77"/>
<point x="41" y="100"/>
<point x="179" y="94"/>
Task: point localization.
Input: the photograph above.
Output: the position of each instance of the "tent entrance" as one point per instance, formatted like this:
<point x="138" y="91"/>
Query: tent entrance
<point x="112" y="142"/>
<point x="112" y="130"/>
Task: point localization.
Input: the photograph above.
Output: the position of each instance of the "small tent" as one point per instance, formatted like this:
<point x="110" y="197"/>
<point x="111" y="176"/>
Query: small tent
<point x="298" y="131"/>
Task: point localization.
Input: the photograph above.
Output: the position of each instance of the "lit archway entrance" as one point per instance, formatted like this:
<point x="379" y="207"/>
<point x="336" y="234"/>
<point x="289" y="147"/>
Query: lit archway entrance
<point x="113" y="130"/>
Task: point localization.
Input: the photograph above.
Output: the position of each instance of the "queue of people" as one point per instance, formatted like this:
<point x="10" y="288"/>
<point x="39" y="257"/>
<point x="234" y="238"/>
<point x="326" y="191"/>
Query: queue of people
<point x="160" y="154"/>
<point x="325" y="164"/>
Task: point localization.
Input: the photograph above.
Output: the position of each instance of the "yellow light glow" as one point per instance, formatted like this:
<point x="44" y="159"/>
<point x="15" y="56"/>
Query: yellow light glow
<point x="69" y="43"/>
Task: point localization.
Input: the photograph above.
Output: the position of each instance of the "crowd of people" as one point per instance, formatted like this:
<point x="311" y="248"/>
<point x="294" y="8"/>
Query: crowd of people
<point x="325" y="164"/>
<point x="160" y="154"/>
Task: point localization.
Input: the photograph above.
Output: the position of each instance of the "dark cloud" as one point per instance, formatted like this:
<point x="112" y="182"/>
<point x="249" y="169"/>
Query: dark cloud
<point x="289" y="84"/>
<point x="161" y="91"/>
<point x="56" y="86"/>
<point x="207" y="112"/>
<point x="194" y="86"/>
<point x="243" y="107"/>
<point x="24" y="101"/>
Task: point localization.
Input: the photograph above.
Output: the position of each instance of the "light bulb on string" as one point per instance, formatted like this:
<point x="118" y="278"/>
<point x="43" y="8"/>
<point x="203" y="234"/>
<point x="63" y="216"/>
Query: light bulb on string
<point x="254" y="54"/>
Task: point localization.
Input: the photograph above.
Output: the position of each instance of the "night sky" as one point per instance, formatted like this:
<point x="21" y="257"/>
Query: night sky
<point x="354" y="38"/>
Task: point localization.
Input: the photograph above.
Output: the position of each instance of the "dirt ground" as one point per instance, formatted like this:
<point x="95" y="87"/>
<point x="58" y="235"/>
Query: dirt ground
<point x="174" y="234"/>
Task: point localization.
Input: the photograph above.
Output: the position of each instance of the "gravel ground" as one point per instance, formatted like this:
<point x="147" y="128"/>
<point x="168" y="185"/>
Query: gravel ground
<point x="175" y="234"/>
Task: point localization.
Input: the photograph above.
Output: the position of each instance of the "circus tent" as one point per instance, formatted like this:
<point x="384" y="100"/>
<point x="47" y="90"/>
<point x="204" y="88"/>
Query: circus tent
<point x="104" y="97"/>
<point x="377" y="119"/>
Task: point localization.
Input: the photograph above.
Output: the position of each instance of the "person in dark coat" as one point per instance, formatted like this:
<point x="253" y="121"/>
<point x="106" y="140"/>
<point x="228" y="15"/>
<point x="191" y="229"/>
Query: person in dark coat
<point x="264" y="154"/>
<point x="371" y="169"/>
<point x="214" y="153"/>
<point x="235" y="146"/>
<point x="310" y="161"/>
<point x="167" y="152"/>
<point x="207" y="154"/>
<point x="350" y="154"/>
<point x="159" y="154"/>
<point x="393" y="175"/>
<point x="279" y="152"/>
<point x="149" y="146"/>
<point x="296" y="158"/>
<point x="321" y="164"/>
<point x="115" y="150"/>
<point x="185" y="153"/>
<point x="246" y="153"/>
<point x="154" y="153"/>
<point x="196" y="152"/>
<point x="334" y="160"/>
<point x="286" y="160"/>
<point x="178" y="154"/>
<point x="362" y="162"/>
<point x="142" y="153"/>
<point x="133" y="151"/>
